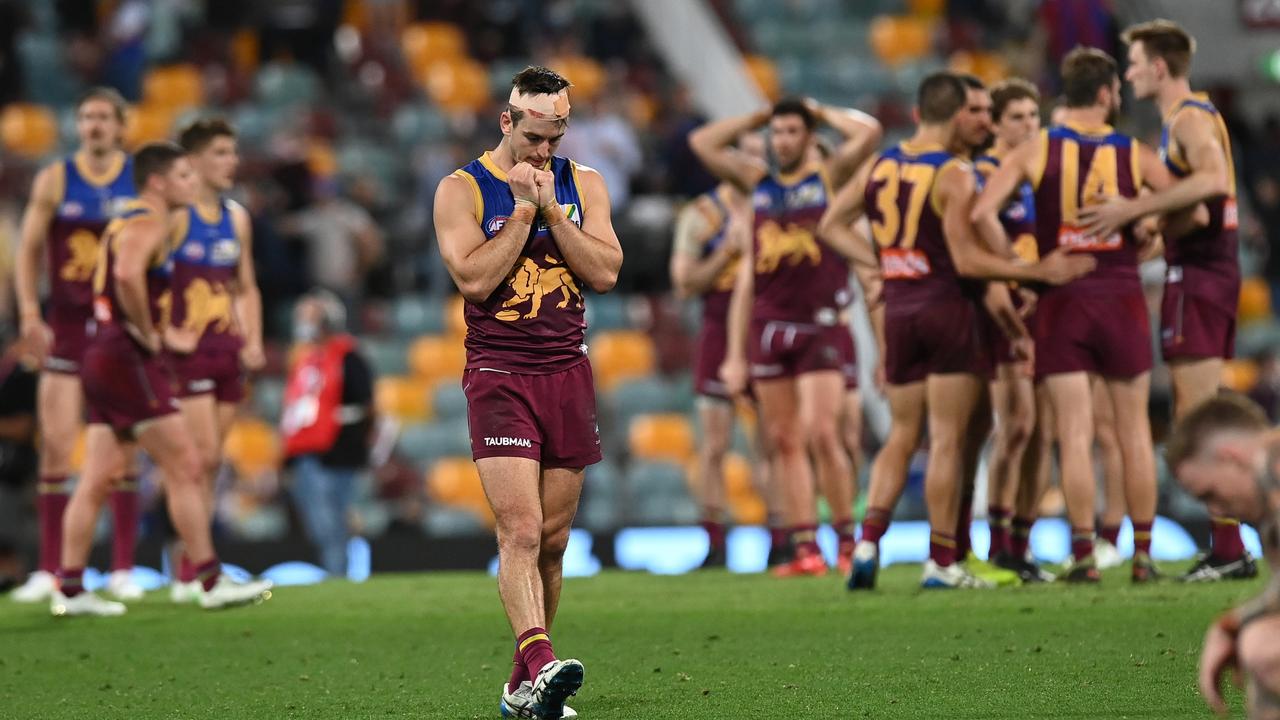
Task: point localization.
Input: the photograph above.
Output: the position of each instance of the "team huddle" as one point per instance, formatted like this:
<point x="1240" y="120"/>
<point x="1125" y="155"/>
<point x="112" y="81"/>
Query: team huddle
<point x="153" y="314"/>
<point x="1001" y="278"/>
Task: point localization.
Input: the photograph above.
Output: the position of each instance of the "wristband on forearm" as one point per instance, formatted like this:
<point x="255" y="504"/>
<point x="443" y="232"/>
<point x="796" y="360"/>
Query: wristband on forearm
<point x="525" y="211"/>
<point x="553" y="214"/>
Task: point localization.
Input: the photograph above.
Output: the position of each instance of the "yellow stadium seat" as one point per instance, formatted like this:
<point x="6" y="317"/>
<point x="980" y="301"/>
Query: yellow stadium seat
<point x="321" y="160"/>
<point x="737" y="476"/>
<point x="748" y="510"/>
<point x="430" y="42"/>
<point x="765" y="74"/>
<point x="174" y="86"/>
<point x="455" y="481"/>
<point x="77" y="453"/>
<point x="988" y="67"/>
<point x="252" y="447"/>
<point x="587" y="75"/>
<point x="148" y="123"/>
<point x="927" y="8"/>
<point x="433" y="358"/>
<point x="1255" y="300"/>
<point x="406" y="398"/>
<point x="896" y="40"/>
<point x="1240" y="375"/>
<point x="455" y="320"/>
<point x="29" y="130"/>
<point x="661" y="437"/>
<point x="621" y="355"/>
<point x="456" y="84"/>
<point x="245" y="51"/>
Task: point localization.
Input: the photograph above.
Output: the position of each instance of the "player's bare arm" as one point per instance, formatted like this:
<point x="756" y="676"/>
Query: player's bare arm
<point x="1017" y="167"/>
<point x="247" y="298"/>
<point x="733" y="373"/>
<point x="837" y="229"/>
<point x="862" y="134"/>
<point x="955" y="190"/>
<point x="137" y="245"/>
<point x="477" y="265"/>
<point x="592" y="252"/>
<point x="713" y="144"/>
<point x="692" y="274"/>
<point x="1197" y="135"/>
<point x="45" y="191"/>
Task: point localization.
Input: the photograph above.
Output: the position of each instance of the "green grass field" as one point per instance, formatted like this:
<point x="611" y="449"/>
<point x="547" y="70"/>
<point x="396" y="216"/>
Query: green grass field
<point x="703" y="646"/>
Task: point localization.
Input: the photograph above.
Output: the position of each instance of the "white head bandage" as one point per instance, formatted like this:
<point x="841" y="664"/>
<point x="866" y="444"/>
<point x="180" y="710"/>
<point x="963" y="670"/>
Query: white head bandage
<point x="543" y="106"/>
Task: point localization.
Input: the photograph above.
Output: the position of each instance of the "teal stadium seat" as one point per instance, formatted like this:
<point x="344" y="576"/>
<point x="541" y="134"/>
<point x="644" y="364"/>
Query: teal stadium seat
<point x="268" y="398"/>
<point x="651" y="395"/>
<point x="414" y="315"/>
<point x="417" y="123"/>
<point x="606" y="312"/>
<point x="386" y="356"/>
<point x="449" y="401"/>
<point x="424" y="443"/>
<point x="285" y="84"/>
<point x="603" y="497"/>
<point x="661" y="495"/>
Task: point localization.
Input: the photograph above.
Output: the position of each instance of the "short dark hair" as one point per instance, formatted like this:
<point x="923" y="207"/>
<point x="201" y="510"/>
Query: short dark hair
<point x="154" y="158"/>
<point x="940" y="97"/>
<point x="197" y="135"/>
<point x="971" y="81"/>
<point x="1164" y="39"/>
<point x="108" y="95"/>
<point x="794" y="106"/>
<point x="1085" y="71"/>
<point x="536" y="80"/>
<point x="1225" y="411"/>
<point x="1008" y="91"/>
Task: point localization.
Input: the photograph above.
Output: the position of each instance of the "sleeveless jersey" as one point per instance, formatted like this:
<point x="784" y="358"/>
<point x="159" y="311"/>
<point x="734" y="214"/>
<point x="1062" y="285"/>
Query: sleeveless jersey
<point x="715" y="301"/>
<point x="906" y="222"/>
<point x="1082" y="166"/>
<point x="87" y="204"/>
<point x="107" y="311"/>
<point x="1018" y="216"/>
<point x="206" y="260"/>
<point x="535" y="321"/>
<point x="1207" y="260"/>
<point x="798" y="278"/>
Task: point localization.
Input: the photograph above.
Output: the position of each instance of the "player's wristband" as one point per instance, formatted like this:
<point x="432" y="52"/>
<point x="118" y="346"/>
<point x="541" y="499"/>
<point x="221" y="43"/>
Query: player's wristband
<point x="524" y="212"/>
<point x="553" y="214"/>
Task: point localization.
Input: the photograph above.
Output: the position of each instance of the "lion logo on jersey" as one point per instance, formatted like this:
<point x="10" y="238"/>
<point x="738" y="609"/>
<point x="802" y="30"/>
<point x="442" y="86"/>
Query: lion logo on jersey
<point x="532" y="283"/>
<point x="207" y="307"/>
<point x="82" y="249"/>
<point x="794" y="245"/>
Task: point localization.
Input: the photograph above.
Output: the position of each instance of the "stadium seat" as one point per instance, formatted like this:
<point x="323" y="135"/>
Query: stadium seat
<point x="1255" y="300"/>
<point x="661" y="495"/>
<point x="245" y="50"/>
<point x="424" y="443"/>
<point x="413" y="315"/>
<point x="455" y="481"/>
<point x="425" y="43"/>
<point x="416" y="122"/>
<point x="606" y="312"/>
<point x="896" y="40"/>
<point x="661" y="437"/>
<point x="29" y="130"/>
<point x="1240" y="375"/>
<point x="177" y="87"/>
<point x="149" y="123"/>
<point x="988" y="67"/>
<point x="762" y="70"/>
<point x="405" y="398"/>
<point x="621" y="355"/>
<point x="602" y="497"/>
<point x="458" y="84"/>
<point x="286" y="84"/>
<point x="449" y="401"/>
<point x="454" y="317"/>
<point x="648" y="396"/>
<point x="388" y="357"/>
<point x="587" y="75"/>
<point x="252" y="447"/>
<point x="267" y="398"/>
<point x="437" y="358"/>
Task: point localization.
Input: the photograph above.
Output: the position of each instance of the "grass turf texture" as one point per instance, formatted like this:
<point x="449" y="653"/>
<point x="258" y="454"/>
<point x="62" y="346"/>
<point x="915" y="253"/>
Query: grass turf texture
<point x="711" y="645"/>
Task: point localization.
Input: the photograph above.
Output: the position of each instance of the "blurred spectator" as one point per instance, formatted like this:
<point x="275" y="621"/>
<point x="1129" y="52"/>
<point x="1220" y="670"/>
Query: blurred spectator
<point x="127" y="52"/>
<point x="685" y="175"/>
<point x="600" y="138"/>
<point x="18" y="376"/>
<point x="13" y="20"/>
<point x="343" y="242"/>
<point x="300" y="29"/>
<point x="327" y="423"/>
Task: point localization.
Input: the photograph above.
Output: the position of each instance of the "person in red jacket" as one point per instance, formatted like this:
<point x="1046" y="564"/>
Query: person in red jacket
<point x="328" y="413"/>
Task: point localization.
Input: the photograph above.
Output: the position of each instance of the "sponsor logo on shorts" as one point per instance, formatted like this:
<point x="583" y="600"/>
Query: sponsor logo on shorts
<point x="507" y="442"/>
<point x="201" y="386"/>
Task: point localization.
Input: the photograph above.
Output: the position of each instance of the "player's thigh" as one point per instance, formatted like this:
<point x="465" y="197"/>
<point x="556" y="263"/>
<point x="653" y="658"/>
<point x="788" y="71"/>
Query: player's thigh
<point x="103" y="458"/>
<point x="1072" y="405"/>
<point x="821" y="399"/>
<point x="1194" y="381"/>
<point x="715" y="417"/>
<point x="851" y="415"/>
<point x="952" y="399"/>
<point x="511" y="485"/>
<point x="906" y="408"/>
<point x="167" y="439"/>
<point x="60" y="409"/>
<point x="779" y="403"/>
<point x="200" y="413"/>
<point x="226" y="416"/>
<point x="561" y="489"/>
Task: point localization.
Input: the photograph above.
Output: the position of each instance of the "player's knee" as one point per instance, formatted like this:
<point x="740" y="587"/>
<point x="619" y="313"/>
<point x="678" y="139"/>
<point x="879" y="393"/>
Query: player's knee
<point x="1259" y="645"/>
<point x="183" y="466"/>
<point x="522" y="535"/>
<point x="715" y="446"/>
<point x="554" y="543"/>
<point x="785" y="439"/>
<point x="824" y="438"/>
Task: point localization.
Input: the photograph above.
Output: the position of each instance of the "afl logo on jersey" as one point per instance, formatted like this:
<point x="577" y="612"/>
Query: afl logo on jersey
<point x="71" y="209"/>
<point x="495" y="224"/>
<point x="193" y="251"/>
<point x="1016" y="212"/>
<point x="226" y="251"/>
<point x="761" y="200"/>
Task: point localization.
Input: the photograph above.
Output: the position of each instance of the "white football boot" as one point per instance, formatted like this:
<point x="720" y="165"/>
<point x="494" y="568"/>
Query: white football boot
<point x="86" y="603"/>
<point x="39" y="587"/>
<point x="229" y="593"/>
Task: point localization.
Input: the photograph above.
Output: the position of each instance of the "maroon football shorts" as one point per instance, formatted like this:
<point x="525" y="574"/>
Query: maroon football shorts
<point x="1107" y="334"/>
<point x="70" y="341"/>
<point x="941" y="339"/>
<point x="215" y="371"/>
<point x="778" y="349"/>
<point x="1194" y="327"/>
<point x="548" y="418"/>
<point x="124" y="386"/>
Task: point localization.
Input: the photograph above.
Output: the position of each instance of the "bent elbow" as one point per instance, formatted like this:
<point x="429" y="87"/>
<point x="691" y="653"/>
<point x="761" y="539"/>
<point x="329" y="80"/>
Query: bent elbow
<point x="604" y="282"/>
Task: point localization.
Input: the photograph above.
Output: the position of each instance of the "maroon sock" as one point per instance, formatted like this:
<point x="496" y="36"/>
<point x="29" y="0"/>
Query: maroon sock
<point x="1081" y="543"/>
<point x="71" y="581"/>
<point x="875" y="523"/>
<point x="777" y="537"/>
<point x="52" y="495"/>
<point x="964" y="527"/>
<point x="804" y="538"/>
<point x="124" y="517"/>
<point x="942" y="549"/>
<point x="186" y="569"/>
<point x="1020" y="536"/>
<point x="998" y="520"/>
<point x="519" y="672"/>
<point x="1225" y="542"/>
<point x="715" y="533"/>
<point x="1142" y="537"/>
<point x="207" y="573"/>
<point x="1110" y="533"/>
<point x="534" y="646"/>
<point x="844" y="532"/>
